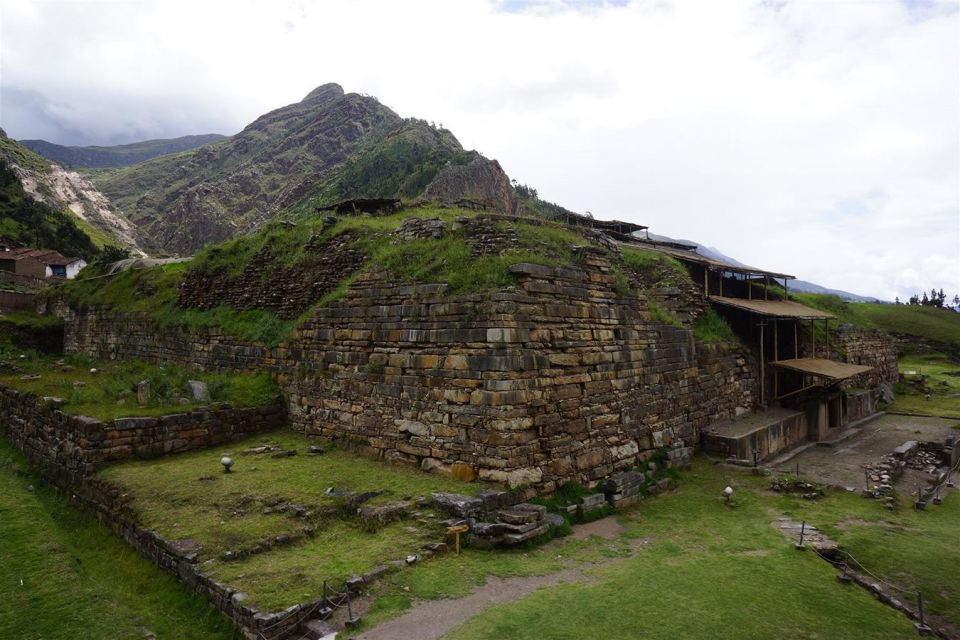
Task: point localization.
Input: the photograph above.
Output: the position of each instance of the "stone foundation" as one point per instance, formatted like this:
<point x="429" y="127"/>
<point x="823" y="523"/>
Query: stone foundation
<point x="560" y="379"/>
<point x="557" y="378"/>
<point x="68" y="447"/>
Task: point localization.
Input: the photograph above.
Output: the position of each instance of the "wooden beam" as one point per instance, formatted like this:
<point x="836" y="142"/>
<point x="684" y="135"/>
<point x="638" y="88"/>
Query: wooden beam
<point x="706" y="281"/>
<point x="766" y="287"/>
<point x="796" y="343"/>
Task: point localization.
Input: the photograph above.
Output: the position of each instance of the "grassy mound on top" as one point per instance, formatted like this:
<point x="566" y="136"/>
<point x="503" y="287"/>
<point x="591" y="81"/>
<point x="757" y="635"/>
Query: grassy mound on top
<point x="449" y="259"/>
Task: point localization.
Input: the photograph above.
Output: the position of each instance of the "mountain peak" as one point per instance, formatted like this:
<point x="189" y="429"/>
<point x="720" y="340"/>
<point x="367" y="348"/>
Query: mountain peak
<point x="324" y="93"/>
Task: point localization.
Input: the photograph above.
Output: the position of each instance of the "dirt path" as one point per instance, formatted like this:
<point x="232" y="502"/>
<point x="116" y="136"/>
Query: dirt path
<point x="431" y="619"/>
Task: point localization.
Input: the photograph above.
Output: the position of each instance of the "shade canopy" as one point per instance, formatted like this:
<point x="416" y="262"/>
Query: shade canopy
<point x="774" y="308"/>
<point x="829" y="369"/>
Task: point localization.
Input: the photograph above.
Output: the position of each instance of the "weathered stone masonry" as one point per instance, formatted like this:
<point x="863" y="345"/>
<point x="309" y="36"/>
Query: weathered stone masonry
<point x="560" y="378"/>
<point x="68" y="448"/>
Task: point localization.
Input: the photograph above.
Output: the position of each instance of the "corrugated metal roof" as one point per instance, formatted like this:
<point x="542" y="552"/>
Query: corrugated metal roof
<point x="693" y="256"/>
<point x="823" y="368"/>
<point x="774" y="308"/>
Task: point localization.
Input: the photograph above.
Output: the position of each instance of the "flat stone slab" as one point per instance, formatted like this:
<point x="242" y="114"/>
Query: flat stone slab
<point x="812" y="536"/>
<point x="457" y="504"/>
<point x="906" y="449"/>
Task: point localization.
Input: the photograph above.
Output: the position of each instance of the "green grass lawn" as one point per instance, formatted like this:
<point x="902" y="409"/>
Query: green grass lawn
<point x="928" y="323"/>
<point x="941" y="376"/>
<point x="707" y="571"/>
<point x="112" y="393"/>
<point x="187" y="496"/>
<point x="939" y="325"/>
<point x="78" y="579"/>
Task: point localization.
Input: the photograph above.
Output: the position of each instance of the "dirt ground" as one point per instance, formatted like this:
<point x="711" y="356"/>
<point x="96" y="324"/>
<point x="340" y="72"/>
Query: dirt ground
<point x="842" y="464"/>
<point x="430" y="619"/>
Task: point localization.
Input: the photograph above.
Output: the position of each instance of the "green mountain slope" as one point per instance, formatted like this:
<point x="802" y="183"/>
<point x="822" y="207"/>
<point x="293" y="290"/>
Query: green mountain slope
<point x="28" y="221"/>
<point x="329" y="146"/>
<point x="117" y="156"/>
<point x="938" y="326"/>
<point x="43" y="205"/>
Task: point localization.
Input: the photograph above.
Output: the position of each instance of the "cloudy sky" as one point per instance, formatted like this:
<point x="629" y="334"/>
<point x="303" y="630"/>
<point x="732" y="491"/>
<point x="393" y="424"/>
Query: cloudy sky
<point x="815" y="138"/>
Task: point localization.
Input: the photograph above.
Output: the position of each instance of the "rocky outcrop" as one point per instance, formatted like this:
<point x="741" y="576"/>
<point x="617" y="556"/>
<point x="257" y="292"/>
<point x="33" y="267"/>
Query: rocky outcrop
<point x="75" y="207"/>
<point x="481" y="181"/>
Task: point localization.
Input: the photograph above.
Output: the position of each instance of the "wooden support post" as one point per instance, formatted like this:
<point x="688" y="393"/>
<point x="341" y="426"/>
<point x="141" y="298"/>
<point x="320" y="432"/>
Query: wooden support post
<point x="706" y="281"/>
<point x="796" y="343"/>
<point x="721" y="282"/>
<point x="826" y="329"/>
<point x="776" y="357"/>
<point x="749" y="286"/>
<point x="766" y="287"/>
<point x="813" y="338"/>
<point x="763" y="398"/>
<point x="786" y="296"/>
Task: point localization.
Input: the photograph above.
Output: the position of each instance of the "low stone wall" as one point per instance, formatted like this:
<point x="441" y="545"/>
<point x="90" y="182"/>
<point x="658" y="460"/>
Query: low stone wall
<point x="69" y="447"/>
<point x="109" y="505"/>
<point x="48" y="339"/>
<point x="767" y="440"/>
<point x="111" y="335"/>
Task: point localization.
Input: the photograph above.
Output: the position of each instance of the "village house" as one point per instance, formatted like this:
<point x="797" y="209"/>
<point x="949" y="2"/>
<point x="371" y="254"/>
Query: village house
<point x="39" y="263"/>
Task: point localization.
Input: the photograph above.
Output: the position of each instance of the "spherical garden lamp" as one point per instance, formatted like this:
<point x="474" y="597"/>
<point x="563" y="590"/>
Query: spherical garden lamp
<point x="728" y="493"/>
<point x="227" y="462"/>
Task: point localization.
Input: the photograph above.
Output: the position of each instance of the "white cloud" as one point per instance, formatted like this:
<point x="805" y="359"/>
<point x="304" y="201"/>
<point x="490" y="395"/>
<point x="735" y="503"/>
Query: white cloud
<point x="821" y="140"/>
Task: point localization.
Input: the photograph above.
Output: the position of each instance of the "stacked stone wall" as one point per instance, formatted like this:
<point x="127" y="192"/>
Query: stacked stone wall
<point x="867" y="347"/>
<point x="68" y="449"/>
<point x="557" y="378"/>
<point x="265" y="283"/>
<point x="106" y="334"/>
<point x="71" y="447"/>
<point x="560" y="379"/>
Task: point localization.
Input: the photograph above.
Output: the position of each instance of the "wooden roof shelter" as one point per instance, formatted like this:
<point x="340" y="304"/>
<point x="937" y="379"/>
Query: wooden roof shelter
<point x="822" y="368"/>
<point x="774" y="308"/>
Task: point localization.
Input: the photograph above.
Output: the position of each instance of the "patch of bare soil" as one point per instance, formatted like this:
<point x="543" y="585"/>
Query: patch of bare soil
<point x="429" y="619"/>
<point x="607" y="528"/>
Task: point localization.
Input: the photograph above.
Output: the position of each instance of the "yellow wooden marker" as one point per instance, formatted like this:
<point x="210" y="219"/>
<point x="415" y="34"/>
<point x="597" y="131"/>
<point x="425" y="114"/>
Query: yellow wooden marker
<point x="455" y="531"/>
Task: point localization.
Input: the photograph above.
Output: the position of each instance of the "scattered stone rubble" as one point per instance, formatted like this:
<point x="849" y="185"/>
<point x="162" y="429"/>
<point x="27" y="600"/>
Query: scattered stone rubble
<point x="804" y="489"/>
<point x="883" y="474"/>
